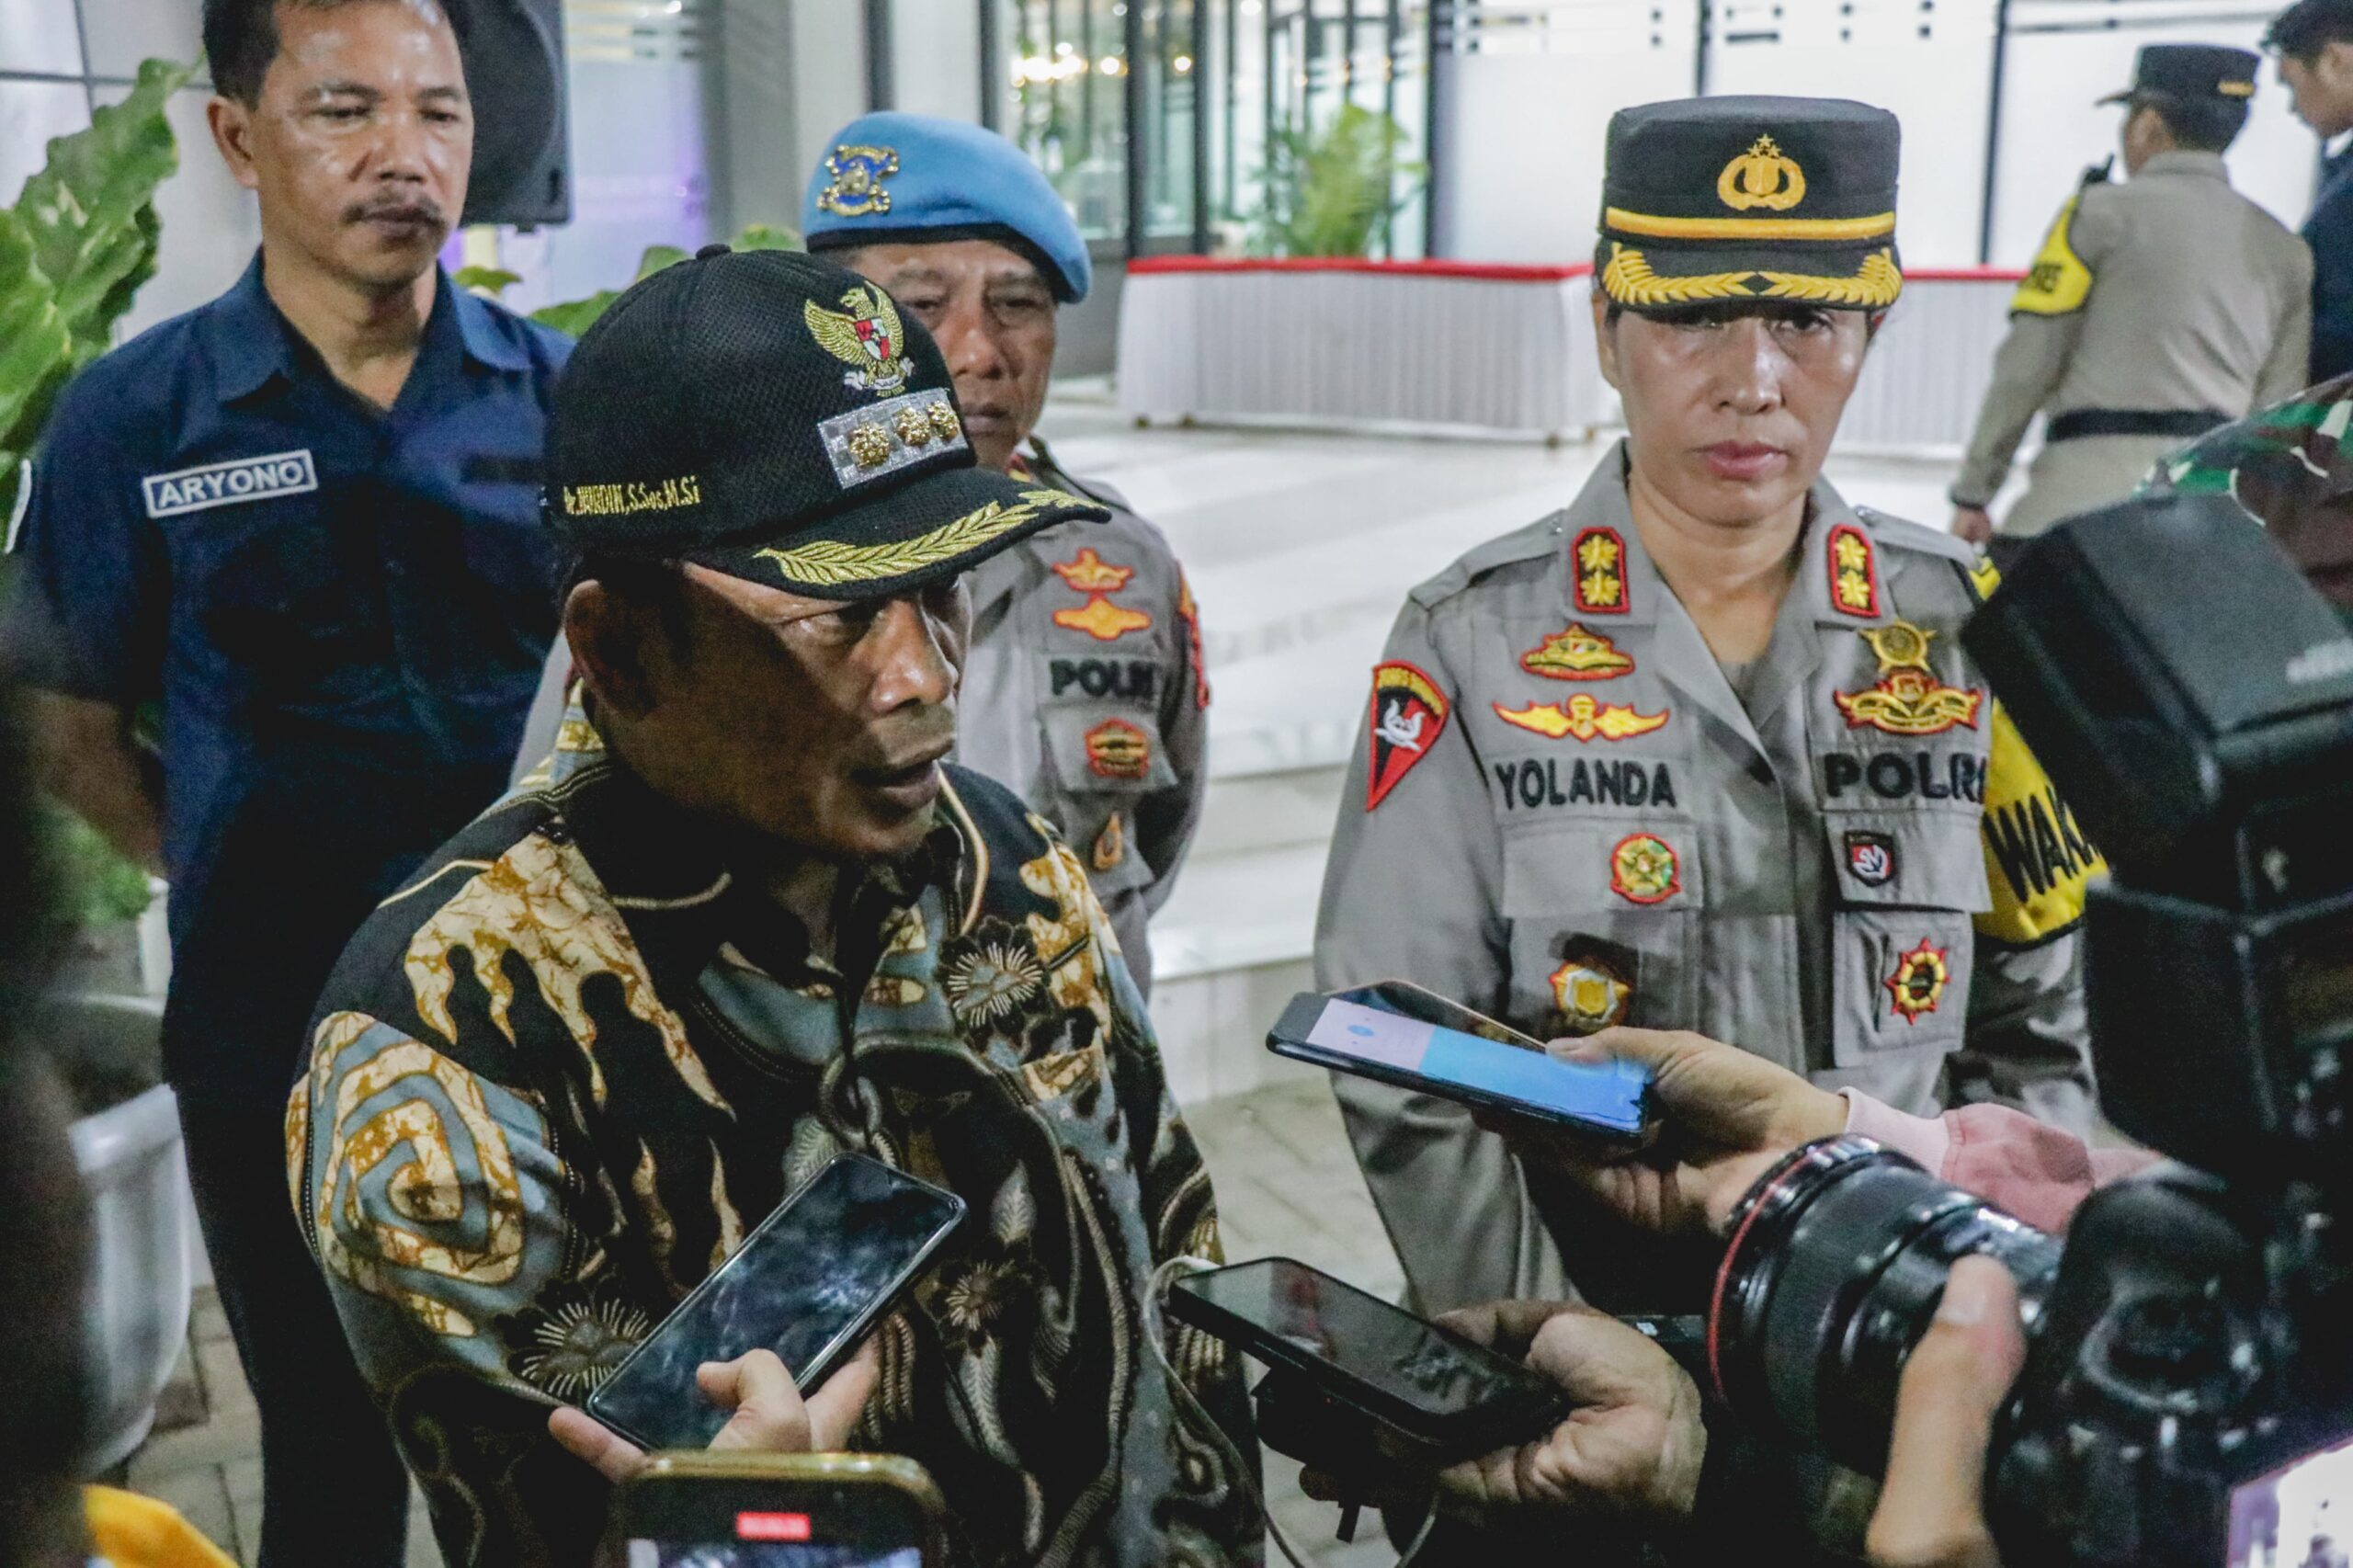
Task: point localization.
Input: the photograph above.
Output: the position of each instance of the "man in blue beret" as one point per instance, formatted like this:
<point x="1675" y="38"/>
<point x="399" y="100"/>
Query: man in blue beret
<point x="1084" y="691"/>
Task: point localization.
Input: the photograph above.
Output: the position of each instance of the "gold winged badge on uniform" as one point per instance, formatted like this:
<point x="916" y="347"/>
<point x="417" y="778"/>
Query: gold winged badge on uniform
<point x="867" y="339"/>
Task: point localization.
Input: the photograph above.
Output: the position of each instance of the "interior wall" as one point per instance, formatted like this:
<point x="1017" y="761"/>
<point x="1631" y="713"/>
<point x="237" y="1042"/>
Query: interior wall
<point x="1529" y="109"/>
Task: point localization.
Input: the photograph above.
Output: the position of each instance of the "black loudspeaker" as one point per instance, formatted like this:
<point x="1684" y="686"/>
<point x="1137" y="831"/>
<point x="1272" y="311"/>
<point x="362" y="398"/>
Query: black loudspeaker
<point x="514" y="55"/>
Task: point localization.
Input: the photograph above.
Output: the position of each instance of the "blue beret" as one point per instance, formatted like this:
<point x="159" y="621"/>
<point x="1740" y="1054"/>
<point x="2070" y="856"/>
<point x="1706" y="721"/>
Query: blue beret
<point x="891" y="179"/>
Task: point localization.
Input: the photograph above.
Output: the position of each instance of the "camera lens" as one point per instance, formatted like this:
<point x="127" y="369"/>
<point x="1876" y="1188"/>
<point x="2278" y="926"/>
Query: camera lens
<point x="1839" y="1257"/>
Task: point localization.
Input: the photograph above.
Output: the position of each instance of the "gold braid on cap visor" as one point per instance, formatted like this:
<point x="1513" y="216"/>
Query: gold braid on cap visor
<point x="833" y="564"/>
<point x="1630" y="281"/>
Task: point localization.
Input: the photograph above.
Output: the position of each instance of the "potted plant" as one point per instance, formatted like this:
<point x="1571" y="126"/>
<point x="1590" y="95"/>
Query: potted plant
<point x="74" y="249"/>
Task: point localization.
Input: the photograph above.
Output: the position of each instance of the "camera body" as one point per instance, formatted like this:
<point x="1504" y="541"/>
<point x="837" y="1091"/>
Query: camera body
<point x="2188" y="1389"/>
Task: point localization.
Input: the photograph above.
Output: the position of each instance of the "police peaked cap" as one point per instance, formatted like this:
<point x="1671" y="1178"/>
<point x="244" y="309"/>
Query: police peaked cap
<point x="1724" y="200"/>
<point x="2190" y="73"/>
<point x="893" y="178"/>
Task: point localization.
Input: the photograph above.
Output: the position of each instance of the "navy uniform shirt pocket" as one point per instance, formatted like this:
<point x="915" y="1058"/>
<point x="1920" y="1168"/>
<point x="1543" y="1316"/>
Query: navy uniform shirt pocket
<point x="1604" y="920"/>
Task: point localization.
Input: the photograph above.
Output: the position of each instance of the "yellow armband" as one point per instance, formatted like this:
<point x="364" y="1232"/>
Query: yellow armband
<point x="2058" y="283"/>
<point x="2037" y="858"/>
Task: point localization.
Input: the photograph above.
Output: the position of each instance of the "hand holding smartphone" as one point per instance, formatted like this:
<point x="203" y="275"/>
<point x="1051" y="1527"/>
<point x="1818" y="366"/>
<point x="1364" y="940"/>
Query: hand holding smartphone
<point x="780" y="1511"/>
<point x="808" y="1283"/>
<point x="1398" y="1033"/>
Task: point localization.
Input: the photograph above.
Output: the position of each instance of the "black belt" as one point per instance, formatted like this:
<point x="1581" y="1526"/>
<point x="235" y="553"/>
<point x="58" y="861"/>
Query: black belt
<point x="2181" y="424"/>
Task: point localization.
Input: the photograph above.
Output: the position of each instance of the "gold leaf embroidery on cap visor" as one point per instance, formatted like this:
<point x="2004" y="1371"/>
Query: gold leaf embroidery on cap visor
<point x="833" y="564"/>
<point x="1630" y="281"/>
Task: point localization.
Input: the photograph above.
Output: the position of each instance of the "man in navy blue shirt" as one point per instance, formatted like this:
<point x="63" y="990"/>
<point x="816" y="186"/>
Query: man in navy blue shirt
<point x="2315" y="42"/>
<point x="303" y="520"/>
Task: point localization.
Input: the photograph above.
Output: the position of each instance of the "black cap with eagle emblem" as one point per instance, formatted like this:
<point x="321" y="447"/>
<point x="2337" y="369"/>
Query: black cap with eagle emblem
<point x="1723" y="200"/>
<point x="774" y="416"/>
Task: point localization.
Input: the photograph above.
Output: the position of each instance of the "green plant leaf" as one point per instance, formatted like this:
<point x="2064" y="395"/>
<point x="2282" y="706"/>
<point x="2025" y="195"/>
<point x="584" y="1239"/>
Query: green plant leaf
<point x="36" y="353"/>
<point x="765" y="236"/>
<point x="577" y="316"/>
<point x="1333" y="192"/>
<point x="491" y="280"/>
<point x="90" y="210"/>
<point x="656" y="257"/>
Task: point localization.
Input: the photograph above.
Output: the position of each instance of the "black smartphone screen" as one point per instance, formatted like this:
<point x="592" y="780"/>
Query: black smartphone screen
<point x="806" y="1284"/>
<point x="703" y="1522"/>
<point x="1433" y="1383"/>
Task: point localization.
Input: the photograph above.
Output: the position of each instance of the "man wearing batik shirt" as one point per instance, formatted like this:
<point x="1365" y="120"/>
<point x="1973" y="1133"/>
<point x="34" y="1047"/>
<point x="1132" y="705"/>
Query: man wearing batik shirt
<point x="2290" y="466"/>
<point x="748" y="921"/>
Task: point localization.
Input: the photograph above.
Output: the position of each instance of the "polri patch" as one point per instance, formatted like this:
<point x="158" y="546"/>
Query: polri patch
<point x="1408" y="715"/>
<point x="1870" y="857"/>
<point x="227" y="483"/>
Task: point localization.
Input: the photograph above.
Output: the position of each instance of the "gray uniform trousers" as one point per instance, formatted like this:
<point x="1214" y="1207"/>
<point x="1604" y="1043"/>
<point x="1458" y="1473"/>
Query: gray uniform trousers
<point x="1859" y="872"/>
<point x="2170" y="294"/>
<point x="1083" y="694"/>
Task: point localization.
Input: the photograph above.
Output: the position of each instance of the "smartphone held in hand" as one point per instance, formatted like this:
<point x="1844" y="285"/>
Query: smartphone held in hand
<point x="748" y="1510"/>
<point x="808" y="1283"/>
<point x="1398" y="1033"/>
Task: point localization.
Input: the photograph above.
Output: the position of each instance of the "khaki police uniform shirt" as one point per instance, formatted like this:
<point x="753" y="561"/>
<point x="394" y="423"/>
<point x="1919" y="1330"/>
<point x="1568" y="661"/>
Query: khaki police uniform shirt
<point x="1562" y="815"/>
<point x="1083" y="694"/>
<point x="2170" y="291"/>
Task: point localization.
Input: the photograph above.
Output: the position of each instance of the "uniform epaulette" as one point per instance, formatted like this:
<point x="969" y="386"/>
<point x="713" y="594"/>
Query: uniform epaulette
<point x="1896" y="533"/>
<point x="1535" y="542"/>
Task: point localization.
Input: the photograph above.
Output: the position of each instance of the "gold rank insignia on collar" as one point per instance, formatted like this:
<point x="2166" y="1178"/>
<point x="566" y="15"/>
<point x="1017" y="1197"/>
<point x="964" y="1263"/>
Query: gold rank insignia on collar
<point x="1597" y="571"/>
<point x="855" y="189"/>
<point x="1577" y="654"/>
<point x="1854" y="572"/>
<point x="1909" y="699"/>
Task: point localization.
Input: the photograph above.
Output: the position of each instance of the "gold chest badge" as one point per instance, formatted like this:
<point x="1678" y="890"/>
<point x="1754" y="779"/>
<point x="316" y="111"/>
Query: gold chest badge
<point x="1099" y="579"/>
<point x="1643" y="869"/>
<point x="1919" y="981"/>
<point x="1584" y="718"/>
<point x="854" y="186"/>
<point x="1908" y="699"/>
<point x="1577" y="654"/>
<point x="1762" y="176"/>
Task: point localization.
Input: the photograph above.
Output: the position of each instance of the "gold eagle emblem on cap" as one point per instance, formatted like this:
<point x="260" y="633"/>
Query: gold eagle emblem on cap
<point x="867" y="339"/>
<point x="1762" y="176"/>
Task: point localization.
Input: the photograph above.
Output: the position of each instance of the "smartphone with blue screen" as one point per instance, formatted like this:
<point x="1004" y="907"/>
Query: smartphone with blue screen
<point x="1368" y="1033"/>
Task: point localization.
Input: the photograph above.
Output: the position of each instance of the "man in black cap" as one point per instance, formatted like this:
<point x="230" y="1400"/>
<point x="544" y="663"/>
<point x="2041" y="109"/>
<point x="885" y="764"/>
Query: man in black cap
<point x="2156" y="310"/>
<point x="750" y="921"/>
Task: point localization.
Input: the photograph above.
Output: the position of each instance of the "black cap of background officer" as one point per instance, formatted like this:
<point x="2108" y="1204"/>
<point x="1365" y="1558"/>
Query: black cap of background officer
<point x="1711" y="201"/>
<point x="771" y="415"/>
<point x="2203" y="90"/>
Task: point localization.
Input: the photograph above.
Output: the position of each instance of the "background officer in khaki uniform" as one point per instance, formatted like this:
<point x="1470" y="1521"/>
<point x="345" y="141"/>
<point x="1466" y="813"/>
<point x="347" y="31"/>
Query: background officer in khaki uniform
<point x="2156" y="310"/>
<point x="1703" y="750"/>
<point x="1084" y="691"/>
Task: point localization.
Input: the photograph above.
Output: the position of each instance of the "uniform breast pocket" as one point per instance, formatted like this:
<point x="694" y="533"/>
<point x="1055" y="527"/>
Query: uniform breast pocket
<point x="1603" y="922"/>
<point x="280" y="588"/>
<point x="1102" y="759"/>
<point x="1901" y="941"/>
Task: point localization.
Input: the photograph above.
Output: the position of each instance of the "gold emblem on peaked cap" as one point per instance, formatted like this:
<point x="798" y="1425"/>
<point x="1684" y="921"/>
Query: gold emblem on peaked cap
<point x="1762" y="176"/>
<point x="868" y="339"/>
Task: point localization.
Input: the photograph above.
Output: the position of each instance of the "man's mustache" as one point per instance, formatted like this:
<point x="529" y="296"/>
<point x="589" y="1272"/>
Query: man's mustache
<point x="404" y="209"/>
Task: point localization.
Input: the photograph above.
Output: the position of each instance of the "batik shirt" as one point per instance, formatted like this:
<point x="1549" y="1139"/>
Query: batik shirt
<point x="558" y="1078"/>
<point x="2292" y="467"/>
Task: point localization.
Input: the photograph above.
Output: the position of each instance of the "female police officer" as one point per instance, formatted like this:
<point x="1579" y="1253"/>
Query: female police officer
<point x="1703" y="751"/>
